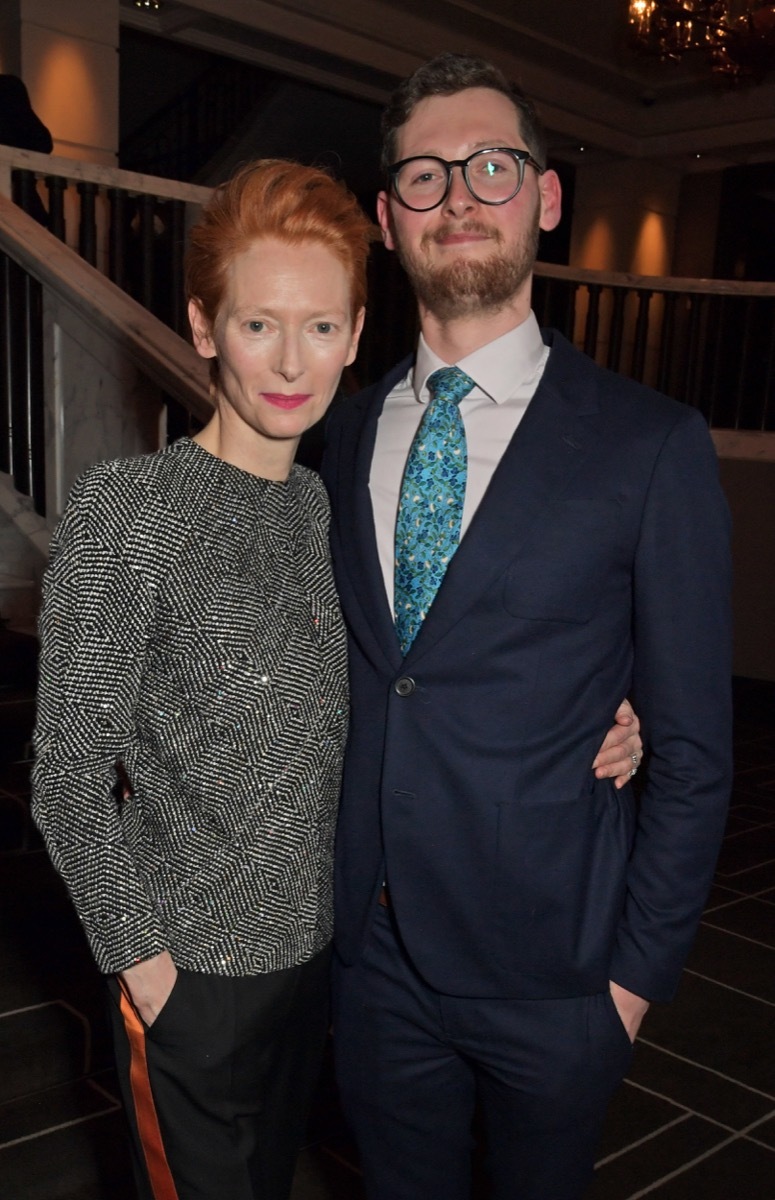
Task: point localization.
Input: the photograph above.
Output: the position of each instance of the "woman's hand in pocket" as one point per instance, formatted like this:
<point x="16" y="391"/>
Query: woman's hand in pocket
<point x="149" y="984"/>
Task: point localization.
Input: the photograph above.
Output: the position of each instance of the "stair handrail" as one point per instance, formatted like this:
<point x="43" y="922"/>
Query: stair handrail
<point x="155" y="185"/>
<point x="104" y="176"/>
<point x="656" y="283"/>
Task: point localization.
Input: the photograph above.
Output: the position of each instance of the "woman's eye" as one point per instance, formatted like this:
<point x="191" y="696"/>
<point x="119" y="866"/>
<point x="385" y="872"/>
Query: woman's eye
<point x="324" y="327"/>
<point x="256" y="326"/>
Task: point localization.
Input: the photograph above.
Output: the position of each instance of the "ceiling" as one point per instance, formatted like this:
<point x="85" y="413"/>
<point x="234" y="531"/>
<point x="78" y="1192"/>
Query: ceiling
<point x="571" y="57"/>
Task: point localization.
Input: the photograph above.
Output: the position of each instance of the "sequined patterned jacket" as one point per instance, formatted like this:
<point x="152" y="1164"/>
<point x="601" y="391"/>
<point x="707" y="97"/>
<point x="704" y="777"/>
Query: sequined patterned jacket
<point x="191" y="641"/>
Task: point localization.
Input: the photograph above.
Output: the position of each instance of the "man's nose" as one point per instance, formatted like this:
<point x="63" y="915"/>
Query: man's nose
<point x="459" y="198"/>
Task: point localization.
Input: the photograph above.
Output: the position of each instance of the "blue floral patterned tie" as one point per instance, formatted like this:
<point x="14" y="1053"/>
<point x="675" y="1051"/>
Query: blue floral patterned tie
<point x="430" y="507"/>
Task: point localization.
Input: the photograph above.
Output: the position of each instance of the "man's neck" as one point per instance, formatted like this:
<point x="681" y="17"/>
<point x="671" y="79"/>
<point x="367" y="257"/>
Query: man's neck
<point x="453" y="340"/>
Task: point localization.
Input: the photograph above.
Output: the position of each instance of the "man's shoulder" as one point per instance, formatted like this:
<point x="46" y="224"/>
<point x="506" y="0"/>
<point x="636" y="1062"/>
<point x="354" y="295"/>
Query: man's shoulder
<point x="575" y="374"/>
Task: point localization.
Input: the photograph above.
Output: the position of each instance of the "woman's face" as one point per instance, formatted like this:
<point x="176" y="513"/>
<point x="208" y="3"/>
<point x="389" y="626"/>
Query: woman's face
<point x="283" y="335"/>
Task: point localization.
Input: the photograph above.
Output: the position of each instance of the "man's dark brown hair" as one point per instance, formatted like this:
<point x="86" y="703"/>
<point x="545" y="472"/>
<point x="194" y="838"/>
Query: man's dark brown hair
<point x="446" y="75"/>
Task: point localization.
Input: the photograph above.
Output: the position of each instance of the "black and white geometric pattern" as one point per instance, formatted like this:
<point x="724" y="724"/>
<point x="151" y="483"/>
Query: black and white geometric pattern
<point x="191" y="641"/>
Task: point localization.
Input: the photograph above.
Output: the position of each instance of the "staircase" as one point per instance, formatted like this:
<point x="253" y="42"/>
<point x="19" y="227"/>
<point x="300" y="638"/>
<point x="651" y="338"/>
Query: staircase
<point x="24" y="537"/>
<point x="88" y="373"/>
<point x="58" y="1097"/>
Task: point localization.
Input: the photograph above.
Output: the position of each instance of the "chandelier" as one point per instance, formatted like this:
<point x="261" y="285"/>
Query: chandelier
<point x="737" y="36"/>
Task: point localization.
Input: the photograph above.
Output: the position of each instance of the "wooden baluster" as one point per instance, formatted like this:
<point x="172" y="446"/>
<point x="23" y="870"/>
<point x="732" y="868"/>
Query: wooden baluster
<point x="567" y="321"/>
<point x="640" y="341"/>
<point x="666" y="342"/>
<point x="177" y="239"/>
<point x="692" y="374"/>
<point x="616" y="330"/>
<point x="87" y="225"/>
<point x="147" y="207"/>
<point x="715" y="392"/>
<point x="23" y="188"/>
<point x="57" y="186"/>
<point x="117" y="236"/>
<point x="593" y="319"/>
<point x="745" y="405"/>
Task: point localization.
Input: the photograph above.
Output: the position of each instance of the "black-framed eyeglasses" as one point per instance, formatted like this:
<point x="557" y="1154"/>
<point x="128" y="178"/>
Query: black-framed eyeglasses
<point x="492" y="176"/>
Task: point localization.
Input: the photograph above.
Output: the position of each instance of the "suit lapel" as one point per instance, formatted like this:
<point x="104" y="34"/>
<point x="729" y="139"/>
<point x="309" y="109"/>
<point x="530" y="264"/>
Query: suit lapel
<point x="372" y="619"/>
<point x="537" y="469"/>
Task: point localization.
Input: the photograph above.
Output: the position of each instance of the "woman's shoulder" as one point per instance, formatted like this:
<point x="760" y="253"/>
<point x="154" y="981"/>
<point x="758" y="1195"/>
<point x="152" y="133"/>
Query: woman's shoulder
<point x="116" y="494"/>
<point x="310" y="487"/>
<point x="137" y="473"/>
<point x="139" y="469"/>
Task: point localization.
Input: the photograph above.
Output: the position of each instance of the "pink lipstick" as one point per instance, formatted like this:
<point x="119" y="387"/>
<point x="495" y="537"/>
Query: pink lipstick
<point x="281" y="400"/>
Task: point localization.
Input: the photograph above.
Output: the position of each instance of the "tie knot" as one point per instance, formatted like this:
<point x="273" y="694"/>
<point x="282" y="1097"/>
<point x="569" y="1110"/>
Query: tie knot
<point x="449" y="383"/>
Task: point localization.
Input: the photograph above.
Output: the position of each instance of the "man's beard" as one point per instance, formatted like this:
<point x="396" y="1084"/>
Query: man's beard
<point x="467" y="286"/>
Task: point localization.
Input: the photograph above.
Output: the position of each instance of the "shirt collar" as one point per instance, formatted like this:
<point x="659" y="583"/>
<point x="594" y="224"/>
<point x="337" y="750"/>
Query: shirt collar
<point x="498" y="369"/>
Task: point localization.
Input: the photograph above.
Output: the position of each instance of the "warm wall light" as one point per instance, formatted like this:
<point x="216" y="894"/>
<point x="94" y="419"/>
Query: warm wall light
<point x="597" y="249"/>
<point x="154" y="4"/>
<point x="738" y="36"/>
<point x="651" y="251"/>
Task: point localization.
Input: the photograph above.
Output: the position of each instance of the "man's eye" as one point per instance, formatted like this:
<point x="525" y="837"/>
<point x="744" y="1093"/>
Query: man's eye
<point x="324" y="327"/>
<point x="423" y="178"/>
<point x="489" y="167"/>
<point x="256" y="326"/>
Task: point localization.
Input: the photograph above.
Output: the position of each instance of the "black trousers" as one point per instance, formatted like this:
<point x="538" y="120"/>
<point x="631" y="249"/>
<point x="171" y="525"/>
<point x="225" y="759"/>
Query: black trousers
<point x="218" y="1089"/>
<point x="414" y="1066"/>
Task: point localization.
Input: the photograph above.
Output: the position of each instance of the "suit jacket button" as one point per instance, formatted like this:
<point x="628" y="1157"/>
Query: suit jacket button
<point x="405" y="685"/>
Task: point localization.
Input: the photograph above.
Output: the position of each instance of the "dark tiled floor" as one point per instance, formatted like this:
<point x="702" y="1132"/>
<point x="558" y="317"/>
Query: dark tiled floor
<point x="694" y="1121"/>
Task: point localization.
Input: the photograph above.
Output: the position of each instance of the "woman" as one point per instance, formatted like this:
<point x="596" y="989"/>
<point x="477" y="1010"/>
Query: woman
<point x="193" y="706"/>
<point x="192" y="645"/>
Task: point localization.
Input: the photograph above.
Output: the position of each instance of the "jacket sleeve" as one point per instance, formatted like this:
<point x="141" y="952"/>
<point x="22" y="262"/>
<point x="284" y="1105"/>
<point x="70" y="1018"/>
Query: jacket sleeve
<point x="95" y="624"/>
<point x="682" y="692"/>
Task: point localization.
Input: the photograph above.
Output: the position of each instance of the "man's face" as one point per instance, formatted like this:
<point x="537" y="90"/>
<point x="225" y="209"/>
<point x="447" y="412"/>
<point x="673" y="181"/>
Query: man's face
<point x="466" y="258"/>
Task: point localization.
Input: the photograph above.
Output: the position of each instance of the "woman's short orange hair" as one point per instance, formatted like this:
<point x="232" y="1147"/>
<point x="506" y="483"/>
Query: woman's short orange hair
<point x="275" y="198"/>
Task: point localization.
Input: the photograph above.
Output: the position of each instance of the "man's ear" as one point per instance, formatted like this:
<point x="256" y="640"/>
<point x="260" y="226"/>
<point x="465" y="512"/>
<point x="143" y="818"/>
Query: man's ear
<point x="551" y="200"/>
<point x="385" y="220"/>
<point x="201" y="330"/>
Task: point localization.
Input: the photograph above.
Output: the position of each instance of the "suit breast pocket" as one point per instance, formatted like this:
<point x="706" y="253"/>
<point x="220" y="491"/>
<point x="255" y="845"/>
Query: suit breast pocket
<point x="564" y="565"/>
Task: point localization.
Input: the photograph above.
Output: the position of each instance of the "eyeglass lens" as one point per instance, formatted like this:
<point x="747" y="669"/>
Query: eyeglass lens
<point x="493" y="176"/>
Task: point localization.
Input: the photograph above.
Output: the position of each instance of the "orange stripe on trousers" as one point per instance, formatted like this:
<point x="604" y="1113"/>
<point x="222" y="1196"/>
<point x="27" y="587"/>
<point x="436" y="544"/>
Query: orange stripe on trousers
<point x="162" y="1183"/>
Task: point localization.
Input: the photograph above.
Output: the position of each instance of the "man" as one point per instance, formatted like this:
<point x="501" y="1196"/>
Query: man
<point x="504" y="916"/>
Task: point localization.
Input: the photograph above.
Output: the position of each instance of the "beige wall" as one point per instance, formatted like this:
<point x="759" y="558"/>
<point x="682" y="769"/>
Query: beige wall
<point x="624" y="217"/>
<point x="66" y="51"/>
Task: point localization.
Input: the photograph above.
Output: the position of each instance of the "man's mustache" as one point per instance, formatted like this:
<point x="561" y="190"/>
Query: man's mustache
<point x="469" y="226"/>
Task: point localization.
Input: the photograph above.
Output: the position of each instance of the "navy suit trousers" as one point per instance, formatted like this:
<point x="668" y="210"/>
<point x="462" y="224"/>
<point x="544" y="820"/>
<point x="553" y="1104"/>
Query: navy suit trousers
<point x="415" y="1065"/>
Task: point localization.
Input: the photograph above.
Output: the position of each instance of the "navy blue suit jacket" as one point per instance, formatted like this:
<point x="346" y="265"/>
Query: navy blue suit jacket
<point x="596" y="567"/>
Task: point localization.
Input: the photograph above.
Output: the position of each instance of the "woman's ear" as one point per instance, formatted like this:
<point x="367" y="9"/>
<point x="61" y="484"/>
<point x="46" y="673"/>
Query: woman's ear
<point x="357" y="330"/>
<point x="201" y="330"/>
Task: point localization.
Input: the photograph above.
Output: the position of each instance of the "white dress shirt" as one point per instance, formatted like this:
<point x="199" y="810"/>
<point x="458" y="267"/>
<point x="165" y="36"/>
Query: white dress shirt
<point x="506" y="373"/>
